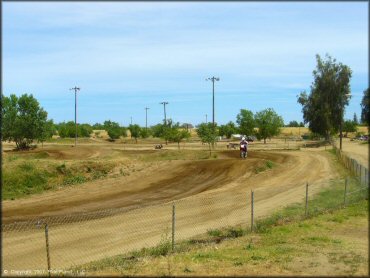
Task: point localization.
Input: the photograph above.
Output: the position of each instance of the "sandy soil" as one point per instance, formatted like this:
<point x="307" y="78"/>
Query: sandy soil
<point x="356" y="150"/>
<point x="207" y="193"/>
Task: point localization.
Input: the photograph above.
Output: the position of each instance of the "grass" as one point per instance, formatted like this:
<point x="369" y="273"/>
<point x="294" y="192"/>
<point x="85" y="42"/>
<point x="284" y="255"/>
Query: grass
<point x="268" y="165"/>
<point x="284" y="243"/>
<point x="24" y="175"/>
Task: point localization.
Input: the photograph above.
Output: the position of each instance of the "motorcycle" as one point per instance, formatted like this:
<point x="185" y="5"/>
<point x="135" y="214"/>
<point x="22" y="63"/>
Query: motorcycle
<point x="243" y="151"/>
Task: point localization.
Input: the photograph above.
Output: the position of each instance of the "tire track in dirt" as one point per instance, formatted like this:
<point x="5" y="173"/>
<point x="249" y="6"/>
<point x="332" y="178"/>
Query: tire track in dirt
<point x="225" y="204"/>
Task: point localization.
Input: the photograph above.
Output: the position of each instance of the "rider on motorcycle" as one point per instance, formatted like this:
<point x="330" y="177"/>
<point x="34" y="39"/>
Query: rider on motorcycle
<point x="243" y="148"/>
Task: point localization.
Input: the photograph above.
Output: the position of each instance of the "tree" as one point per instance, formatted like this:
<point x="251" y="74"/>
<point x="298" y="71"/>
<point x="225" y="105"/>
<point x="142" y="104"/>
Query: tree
<point x="158" y="130"/>
<point x="355" y="120"/>
<point x="23" y="120"/>
<point x="268" y="123"/>
<point x="177" y="135"/>
<point x="207" y="133"/>
<point x="246" y="122"/>
<point x="349" y="126"/>
<point x="145" y="132"/>
<point x="293" y="124"/>
<point x="324" y="107"/>
<point x="84" y="130"/>
<point x="135" y="131"/>
<point x="227" y="130"/>
<point x="365" y="108"/>
<point x="46" y="131"/>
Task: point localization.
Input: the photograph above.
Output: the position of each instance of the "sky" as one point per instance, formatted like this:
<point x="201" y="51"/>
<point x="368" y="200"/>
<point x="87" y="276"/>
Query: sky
<point x="126" y="56"/>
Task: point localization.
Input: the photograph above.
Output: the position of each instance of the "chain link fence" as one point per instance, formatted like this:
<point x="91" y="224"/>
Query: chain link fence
<point x="60" y="243"/>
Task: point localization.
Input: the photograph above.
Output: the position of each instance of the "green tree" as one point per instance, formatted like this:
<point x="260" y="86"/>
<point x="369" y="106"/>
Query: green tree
<point x="46" y="131"/>
<point x="324" y="107"/>
<point x="268" y="123"/>
<point x="98" y="126"/>
<point x="84" y="130"/>
<point x="349" y="126"/>
<point x="365" y="108"/>
<point x="135" y="131"/>
<point x="145" y="132"/>
<point x="355" y="120"/>
<point x="158" y="130"/>
<point x="113" y="129"/>
<point x="23" y="120"/>
<point x="293" y="124"/>
<point x="175" y="134"/>
<point x="246" y="122"/>
<point x="227" y="130"/>
<point x="207" y="134"/>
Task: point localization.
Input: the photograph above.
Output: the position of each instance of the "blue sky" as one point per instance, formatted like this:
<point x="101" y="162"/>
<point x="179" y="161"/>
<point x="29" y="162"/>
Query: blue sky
<point x="126" y="56"/>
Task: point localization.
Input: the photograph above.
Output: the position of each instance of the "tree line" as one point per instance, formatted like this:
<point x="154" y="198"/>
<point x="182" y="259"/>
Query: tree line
<point x="24" y="121"/>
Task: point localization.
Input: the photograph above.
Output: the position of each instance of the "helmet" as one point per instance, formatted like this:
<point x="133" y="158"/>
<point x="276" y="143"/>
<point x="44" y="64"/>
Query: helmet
<point x="243" y="138"/>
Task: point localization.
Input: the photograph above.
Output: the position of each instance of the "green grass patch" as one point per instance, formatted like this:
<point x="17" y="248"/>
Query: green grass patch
<point x="23" y="177"/>
<point x="267" y="165"/>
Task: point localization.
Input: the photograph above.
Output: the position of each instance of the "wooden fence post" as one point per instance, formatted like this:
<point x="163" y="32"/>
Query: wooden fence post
<point x="47" y="247"/>
<point x="345" y="191"/>
<point x="252" y="209"/>
<point x="306" y="206"/>
<point x="173" y="226"/>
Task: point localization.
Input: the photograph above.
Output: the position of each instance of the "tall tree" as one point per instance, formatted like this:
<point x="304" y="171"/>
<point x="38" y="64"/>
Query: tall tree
<point x="246" y="122"/>
<point x="349" y="126"/>
<point x="23" y="120"/>
<point x="355" y="120"/>
<point x="227" y="130"/>
<point x="365" y="108"/>
<point x="135" y="131"/>
<point x="268" y="123"/>
<point x="207" y="134"/>
<point x="324" y="107"/>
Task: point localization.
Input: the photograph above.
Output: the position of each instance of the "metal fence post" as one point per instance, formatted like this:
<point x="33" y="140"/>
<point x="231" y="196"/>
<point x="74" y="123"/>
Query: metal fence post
<point x="252" y="209"/>
<point x="173" y="226"/>
<point x="306" y="206"/>
<point x="47" y="246"/>
<point x="345" y="191"/>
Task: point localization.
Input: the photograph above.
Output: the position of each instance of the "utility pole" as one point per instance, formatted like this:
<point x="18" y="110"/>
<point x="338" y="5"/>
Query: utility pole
<point x="164" y="108"/>
<point x="146" y="117"/>
<point x="206" y="119"/>
<point x="75" y="89"/>
<point x="213" y="79"/>
<point x="131" y="120"/>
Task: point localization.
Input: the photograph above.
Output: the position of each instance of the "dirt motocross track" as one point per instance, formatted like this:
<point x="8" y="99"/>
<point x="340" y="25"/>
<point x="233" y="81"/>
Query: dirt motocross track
<point x="213" y="191"/>
<point x="171" y="182"/>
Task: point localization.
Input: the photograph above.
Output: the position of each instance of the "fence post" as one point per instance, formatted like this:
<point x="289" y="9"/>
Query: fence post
<point x="173" y="226"/>
<point x="252" y="209"/>
<point x="47" y="246"/>
<point x="306" y="206"/>
<point x="345" y="191"/>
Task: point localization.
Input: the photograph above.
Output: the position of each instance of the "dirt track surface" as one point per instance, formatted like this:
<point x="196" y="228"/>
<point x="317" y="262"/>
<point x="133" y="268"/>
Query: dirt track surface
<point x="212" y="193"/>
<point x="357" y="150"/>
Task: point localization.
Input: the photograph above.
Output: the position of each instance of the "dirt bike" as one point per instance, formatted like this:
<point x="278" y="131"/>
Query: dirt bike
<point x="243" y="153"/>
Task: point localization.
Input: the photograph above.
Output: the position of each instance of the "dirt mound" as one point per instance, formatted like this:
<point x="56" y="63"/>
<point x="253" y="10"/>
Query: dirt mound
<point x="81" y="152"/>
<point x="175" y="180"/>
